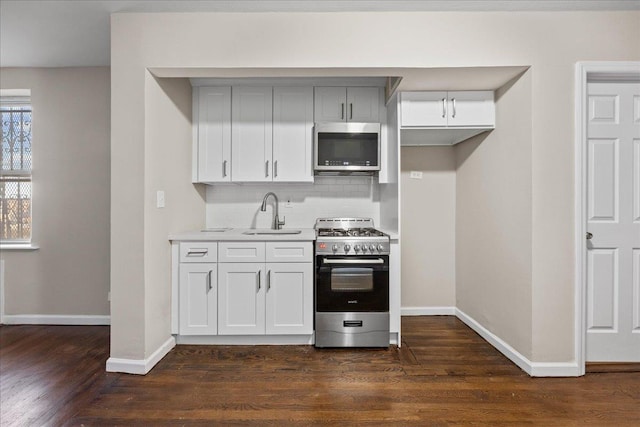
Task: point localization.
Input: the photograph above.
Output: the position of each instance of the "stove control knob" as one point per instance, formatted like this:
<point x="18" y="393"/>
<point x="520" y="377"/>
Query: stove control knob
<point x="364" y="248"/>
<point x="372" y="248"/>
<point x="347" y="248"/>
<point x="356" y="248"/>
<point x="380" y="247"/>
<point x="335" y="248"/>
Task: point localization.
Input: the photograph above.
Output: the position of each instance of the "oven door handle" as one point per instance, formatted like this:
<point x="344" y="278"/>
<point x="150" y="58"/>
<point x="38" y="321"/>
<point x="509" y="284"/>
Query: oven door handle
<point x="353" y="261"/>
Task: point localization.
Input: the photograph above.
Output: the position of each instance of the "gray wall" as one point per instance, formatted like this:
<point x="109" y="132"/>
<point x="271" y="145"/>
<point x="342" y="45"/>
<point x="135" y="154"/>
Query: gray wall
<point x="428" y="215"/>
<point x="549" y="42"/>
<point x="494" y="221"/>
<point x="69" y="274"/>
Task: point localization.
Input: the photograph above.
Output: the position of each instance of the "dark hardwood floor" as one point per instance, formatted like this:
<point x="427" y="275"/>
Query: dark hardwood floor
<point x="443" y="375"/>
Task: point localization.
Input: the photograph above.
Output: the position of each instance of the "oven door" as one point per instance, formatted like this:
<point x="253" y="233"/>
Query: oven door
<point x="352" y="283"/>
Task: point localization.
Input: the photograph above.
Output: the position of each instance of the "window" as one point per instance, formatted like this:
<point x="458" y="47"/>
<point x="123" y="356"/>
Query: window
<point x="15" y="170"/>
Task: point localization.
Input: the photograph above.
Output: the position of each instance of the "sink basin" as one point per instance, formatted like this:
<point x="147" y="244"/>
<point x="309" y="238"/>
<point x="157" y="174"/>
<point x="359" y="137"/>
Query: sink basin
<point x="271" y="232"/>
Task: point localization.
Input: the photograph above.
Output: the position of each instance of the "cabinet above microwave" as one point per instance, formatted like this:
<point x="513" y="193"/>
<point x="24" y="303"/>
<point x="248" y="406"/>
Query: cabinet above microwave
<point x="445" y="118"/>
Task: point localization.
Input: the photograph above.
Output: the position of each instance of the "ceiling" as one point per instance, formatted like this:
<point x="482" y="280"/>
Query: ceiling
<point x="75" y="33"/>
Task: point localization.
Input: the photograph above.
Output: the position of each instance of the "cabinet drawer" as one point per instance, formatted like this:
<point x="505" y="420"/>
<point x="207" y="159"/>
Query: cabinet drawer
<point x="241" y="252"/>
<point x="198" y="252"/>
<point x="289" y="252"/>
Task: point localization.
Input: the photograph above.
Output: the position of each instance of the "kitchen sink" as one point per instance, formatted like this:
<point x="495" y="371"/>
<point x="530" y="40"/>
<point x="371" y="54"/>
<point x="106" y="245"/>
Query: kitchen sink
<point x="271" y="232"/>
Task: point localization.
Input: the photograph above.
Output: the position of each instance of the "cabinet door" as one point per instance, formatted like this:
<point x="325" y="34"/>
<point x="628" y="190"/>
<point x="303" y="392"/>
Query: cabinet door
<point x="292" y="134"/>
<point x="241" y="298"/>
<point x="289" y="305"/>
<point x="423" y="109"/>
<point x="198" y="299"/>
<point x="471" y="109"/>
<point x="252" y="116"/>
<point x="330" y="104"/>
<point x="212" y="134"/>
<point x="363" y="104"/>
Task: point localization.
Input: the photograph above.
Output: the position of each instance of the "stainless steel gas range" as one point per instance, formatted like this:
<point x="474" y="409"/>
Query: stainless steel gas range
<point x="351" y="284"/>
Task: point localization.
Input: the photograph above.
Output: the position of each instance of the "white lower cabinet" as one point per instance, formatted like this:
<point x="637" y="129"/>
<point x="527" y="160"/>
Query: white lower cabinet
<point x="289" y="297"/>
<point x="273" y="298"/>
<point x="198" y="299"/>
<point x="255" y="288"/>
<point x="241" y="298"/>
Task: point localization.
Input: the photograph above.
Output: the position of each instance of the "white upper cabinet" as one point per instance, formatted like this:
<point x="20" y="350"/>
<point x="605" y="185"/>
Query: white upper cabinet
<point x="347" y="104"/>
<point x="212" y="134"/>
<point x="445" y="118"/>
<point x="424" y="108"/>
<point x="251" y="133"/>
<point x="471" y="109"/>
<point x="292" y="134"/>
<point x="363" y="104"/>
<point x="448" y="109"/>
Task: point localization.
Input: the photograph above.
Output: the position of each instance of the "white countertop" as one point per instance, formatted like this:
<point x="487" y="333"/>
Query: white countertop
<point x="238" y="234"/>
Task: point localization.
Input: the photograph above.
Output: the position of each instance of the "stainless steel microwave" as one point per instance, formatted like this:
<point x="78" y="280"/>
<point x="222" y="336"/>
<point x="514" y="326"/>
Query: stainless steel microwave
<point x="346" y="147"/>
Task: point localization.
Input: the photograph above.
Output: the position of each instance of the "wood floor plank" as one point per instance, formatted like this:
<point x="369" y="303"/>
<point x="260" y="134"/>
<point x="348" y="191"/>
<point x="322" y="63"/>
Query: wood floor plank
<point x="443" y="375"/>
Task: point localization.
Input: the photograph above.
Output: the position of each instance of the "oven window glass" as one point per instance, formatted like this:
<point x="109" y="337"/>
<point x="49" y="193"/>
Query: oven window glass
<point x="356" y="149"/>
<point x="351" y="280"/>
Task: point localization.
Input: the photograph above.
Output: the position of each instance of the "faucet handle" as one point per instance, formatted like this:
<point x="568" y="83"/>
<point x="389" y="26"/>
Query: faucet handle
<point x="281" y="223"/>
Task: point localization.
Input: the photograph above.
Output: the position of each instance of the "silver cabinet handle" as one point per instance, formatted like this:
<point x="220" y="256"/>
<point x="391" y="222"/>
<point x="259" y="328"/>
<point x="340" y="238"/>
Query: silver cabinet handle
<point x="275" y="168"/>
<point x="342" y="111"/>
<point x="224" y="168"/>
<point x="354" y="261"/>
<point x="453" y="101"/>
<point x="197" y="252"/>
<point x="444" y="107"/>
<point x="209" y="287"/>
<point x="351" y="110"/>
<point x="266" y="168"/>
<point x="268" y="280"/>
<point x="259" y="280"/>
<point x="589" y="236"/>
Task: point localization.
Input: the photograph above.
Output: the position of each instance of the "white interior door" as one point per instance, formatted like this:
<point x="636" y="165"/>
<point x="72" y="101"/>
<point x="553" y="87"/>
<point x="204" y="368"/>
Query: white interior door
<point x="613" y="222"/>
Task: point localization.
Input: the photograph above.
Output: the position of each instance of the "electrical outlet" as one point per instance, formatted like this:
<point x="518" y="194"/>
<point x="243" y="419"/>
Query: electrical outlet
<point x="416" y="175"/>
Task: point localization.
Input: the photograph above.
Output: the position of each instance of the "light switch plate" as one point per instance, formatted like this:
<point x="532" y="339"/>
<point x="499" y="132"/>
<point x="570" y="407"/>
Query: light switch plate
<point x="416" y="175"/>
<point x="160" y="199"/>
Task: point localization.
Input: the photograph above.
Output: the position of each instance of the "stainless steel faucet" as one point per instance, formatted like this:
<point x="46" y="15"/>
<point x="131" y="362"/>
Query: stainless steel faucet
<point x="277" y="224"/>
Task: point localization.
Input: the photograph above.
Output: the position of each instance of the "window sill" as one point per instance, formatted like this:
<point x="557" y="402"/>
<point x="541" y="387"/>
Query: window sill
<point x="18" y="247"/>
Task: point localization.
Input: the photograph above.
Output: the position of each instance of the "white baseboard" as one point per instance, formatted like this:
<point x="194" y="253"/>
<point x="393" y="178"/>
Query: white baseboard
<point x="559" y="369"/>
<point x="245" y="339"/>
<point x="428" y="311"/>
<point x="55" y="319"/>
<point x="535" y="369"/>
<point x="140" y="366"/>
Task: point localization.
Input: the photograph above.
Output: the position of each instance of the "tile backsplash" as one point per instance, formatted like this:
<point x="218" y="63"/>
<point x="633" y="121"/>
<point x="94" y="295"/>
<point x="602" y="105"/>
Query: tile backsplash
<point x="238" y="205"/>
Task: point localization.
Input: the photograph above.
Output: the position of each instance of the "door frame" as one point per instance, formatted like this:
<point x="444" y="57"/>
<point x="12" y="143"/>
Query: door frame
<point x="587" y="71"/>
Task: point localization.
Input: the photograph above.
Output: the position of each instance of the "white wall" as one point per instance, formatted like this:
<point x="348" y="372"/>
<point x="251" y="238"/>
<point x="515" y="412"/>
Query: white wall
<point x="428" y="216"/>
<point x="551" y="42"/>
<point x="69" y="274"/>
<point x="231" y="205"/>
